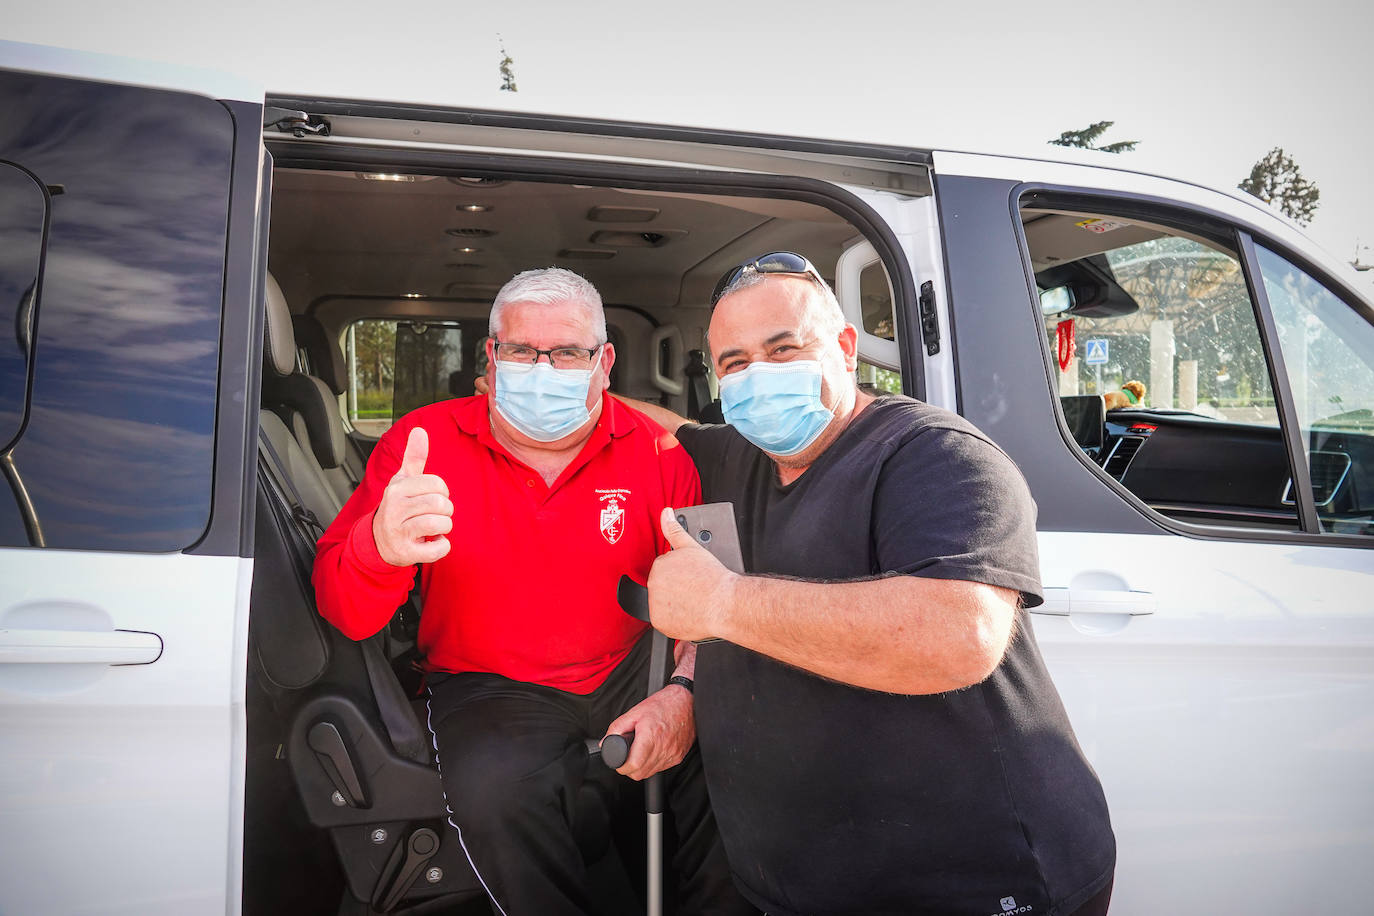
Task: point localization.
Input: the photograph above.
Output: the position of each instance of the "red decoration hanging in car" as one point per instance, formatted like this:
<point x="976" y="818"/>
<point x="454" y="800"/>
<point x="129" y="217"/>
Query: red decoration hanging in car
<point x="1065" y="345"/>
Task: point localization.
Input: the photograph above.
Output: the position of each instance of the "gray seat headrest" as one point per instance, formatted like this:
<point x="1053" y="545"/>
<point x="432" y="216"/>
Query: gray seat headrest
<point x="326" y="359"/>
<point x="279" y="350"/>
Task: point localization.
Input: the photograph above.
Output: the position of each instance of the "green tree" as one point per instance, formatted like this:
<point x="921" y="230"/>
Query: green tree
<point x="507" y="71"/>
<point x="1277" y="180"/>
<point x="1087" y="139"/>
<point x="375" y="346"/>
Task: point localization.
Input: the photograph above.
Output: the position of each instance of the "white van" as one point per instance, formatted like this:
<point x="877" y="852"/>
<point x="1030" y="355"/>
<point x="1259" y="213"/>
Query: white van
<point x="179" y="733"/>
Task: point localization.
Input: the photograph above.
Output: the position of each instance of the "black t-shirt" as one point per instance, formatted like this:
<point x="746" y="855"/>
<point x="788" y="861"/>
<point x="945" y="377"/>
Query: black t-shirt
<point x="834" y="799"/>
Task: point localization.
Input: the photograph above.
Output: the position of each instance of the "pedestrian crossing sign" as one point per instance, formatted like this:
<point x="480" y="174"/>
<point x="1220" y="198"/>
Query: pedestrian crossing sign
<point x="1096" y="354"/>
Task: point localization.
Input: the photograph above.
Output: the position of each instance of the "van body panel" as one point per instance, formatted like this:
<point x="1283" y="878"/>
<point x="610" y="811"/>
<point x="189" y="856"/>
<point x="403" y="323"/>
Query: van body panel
<point x="1239" y="208"/>
<point x="122" y="784"/>
<point x="122" y="655"/>
<point x="1231" y="726"/>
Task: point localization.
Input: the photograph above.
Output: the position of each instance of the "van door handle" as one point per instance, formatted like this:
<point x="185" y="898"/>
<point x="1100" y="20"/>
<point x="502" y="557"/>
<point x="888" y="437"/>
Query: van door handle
<point x="1061" y="602"/>
<point x="79" y="647"/>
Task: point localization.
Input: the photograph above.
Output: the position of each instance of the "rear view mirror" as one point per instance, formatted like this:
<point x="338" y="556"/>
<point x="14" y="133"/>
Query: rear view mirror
<point x="1056" y="300"/>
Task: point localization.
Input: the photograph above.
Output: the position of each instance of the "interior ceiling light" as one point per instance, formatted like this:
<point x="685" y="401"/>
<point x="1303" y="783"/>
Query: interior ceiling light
<point x="414" y="295"/>
<point x="471" y="288"/>
<point x="587" y="254"/>
<point x="476" y="208"/>
<point x="476" y="182"/>
<point x="622" y="214"/>
<point x="392" y="176"/>
<point x="470" y="232"/>
<point x="623" y="238"/>
<point x="467" y="249"/>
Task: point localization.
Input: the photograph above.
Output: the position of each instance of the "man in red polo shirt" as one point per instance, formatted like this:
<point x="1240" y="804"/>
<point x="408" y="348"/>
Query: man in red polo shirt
<point x="523" y="507"/>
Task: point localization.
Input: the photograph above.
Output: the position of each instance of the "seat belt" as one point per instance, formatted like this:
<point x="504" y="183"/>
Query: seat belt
<point x="300" y="513"/>
<point x="392" y="704"/>
<point x="698" y="391"/>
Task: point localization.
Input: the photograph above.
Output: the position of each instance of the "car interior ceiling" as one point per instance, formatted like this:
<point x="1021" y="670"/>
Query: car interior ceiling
<point x="335" y="761"/>
<point x="462" y="237"/>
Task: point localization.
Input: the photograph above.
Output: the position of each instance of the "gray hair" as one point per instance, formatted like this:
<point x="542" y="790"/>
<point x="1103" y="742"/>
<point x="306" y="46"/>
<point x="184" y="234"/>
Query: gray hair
<point x="550" y="286"/>
<point x="828" y="314"/>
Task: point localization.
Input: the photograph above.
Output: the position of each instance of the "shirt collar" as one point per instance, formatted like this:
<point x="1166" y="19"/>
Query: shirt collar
<point x="473" y="416"/>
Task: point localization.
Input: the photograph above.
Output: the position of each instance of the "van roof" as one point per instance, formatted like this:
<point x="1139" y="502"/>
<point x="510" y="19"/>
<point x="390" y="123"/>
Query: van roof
<point x="705" y="115"/>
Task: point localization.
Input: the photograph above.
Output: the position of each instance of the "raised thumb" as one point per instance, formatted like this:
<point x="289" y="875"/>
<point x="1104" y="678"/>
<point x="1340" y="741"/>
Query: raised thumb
<point x="417" y="453"/>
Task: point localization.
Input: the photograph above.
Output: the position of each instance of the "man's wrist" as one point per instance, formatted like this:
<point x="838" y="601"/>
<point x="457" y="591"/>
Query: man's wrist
<point x="367" y="548"/>
<point x="684" y="682"/>
<point x="725" y="597"/>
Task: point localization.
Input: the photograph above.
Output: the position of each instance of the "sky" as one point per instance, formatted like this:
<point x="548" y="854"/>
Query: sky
<point x="1206" y="87"/>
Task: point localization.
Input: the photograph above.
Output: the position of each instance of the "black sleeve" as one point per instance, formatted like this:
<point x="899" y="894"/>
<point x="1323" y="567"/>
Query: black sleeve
<point x="712" y="448"/>
<point x="951" y="505"/>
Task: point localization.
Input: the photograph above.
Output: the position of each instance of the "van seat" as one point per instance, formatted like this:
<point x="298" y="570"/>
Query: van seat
<point x="325" y="361"/>
<point x="305" y="407"/>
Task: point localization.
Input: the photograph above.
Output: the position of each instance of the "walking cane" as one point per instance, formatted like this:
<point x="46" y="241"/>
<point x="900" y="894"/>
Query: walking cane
<point x="713" y="526"/>
<point x="615" y="749"/>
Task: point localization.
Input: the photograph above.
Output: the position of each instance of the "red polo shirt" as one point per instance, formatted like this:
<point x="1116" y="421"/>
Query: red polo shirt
<point x="528" y="588"/>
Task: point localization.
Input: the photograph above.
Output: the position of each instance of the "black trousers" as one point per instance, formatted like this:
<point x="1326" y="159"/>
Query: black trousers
<point x="512" y="757"/>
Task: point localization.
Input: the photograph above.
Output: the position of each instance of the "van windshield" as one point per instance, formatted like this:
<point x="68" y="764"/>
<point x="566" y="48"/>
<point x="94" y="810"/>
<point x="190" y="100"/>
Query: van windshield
<point x="1173" y="316"/>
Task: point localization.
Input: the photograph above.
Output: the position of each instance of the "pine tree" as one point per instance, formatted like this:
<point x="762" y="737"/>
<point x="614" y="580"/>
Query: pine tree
<point x="1277" y="180"/>
<point x="507" y="71"/>
<point x="1087" y="137"/>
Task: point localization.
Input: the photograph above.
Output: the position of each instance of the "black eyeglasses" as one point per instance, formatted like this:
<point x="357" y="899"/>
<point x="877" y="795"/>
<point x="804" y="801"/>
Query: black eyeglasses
<point x="559" y="357"/>
<point x="779" y="262"/>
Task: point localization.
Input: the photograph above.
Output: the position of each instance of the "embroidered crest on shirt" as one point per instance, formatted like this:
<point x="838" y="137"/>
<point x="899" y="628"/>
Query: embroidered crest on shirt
<point x="613" y="514"/>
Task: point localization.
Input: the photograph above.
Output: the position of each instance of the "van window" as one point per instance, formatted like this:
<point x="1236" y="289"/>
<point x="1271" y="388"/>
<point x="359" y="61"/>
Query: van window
<point x="878" y="380"/>
<point x="117" y="451"/>
<point x="397" y="366"/>
<point x="1160" y="366"/>
<point x="1328" y="354"/>
<point x="23" y="212"/>
<point x="875" y="296"/>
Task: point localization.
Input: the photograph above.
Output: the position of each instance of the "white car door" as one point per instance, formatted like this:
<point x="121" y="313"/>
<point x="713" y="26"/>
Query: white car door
<point x="127" y="240"/>
<point x="1211" y="635"/>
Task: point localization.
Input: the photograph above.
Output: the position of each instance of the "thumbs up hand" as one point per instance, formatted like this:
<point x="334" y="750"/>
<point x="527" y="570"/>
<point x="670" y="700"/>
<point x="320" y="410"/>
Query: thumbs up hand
<point x="415" y="513"/>
<point x="690" y="591"/>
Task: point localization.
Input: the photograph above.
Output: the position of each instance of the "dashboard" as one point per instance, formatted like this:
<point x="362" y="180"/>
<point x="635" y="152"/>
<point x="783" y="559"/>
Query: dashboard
<point x="1216" y="472"/>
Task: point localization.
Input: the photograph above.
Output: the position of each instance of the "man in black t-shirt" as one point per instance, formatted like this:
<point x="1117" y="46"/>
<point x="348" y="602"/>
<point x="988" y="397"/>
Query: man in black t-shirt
<point x="879" y="731"/>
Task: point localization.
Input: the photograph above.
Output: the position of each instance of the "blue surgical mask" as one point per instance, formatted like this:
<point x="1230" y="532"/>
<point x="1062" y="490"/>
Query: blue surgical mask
<point x="540" y="401"/>
<point x="776" y="406"/>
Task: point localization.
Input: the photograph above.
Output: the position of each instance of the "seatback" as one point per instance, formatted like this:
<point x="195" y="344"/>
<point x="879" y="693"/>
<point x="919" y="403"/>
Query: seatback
<point x="325" y="361"/>
<point x="301" y="467"/>
<point x="303" y="402"/>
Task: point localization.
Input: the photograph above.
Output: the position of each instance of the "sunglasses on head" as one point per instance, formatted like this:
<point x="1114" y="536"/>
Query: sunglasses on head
<point x="779" y="262"/>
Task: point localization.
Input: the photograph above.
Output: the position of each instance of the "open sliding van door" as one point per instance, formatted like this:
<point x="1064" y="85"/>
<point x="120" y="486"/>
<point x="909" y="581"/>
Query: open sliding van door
<point x="129" y="219"/>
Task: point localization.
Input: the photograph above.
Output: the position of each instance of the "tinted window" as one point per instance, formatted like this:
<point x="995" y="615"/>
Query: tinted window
<point x="23" y="209"/>
<point x="118" y="449"/>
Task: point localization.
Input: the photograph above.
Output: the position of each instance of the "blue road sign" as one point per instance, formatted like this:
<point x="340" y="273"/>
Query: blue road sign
<point x="1096" y="353"/>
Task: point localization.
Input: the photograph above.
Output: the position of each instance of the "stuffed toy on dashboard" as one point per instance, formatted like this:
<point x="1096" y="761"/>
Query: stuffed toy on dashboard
<point x="1130" y="395"/>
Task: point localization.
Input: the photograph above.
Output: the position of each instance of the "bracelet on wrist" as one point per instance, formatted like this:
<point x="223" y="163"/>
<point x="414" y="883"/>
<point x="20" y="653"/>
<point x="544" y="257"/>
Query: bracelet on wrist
<point x="684" y="682"/>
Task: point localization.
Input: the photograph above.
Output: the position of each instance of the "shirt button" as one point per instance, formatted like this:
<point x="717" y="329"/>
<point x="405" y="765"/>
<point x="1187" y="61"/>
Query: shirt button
<point x="529" y="483"/>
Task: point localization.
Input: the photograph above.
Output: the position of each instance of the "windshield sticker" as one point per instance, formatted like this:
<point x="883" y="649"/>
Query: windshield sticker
<point x="1100" y="225"/>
